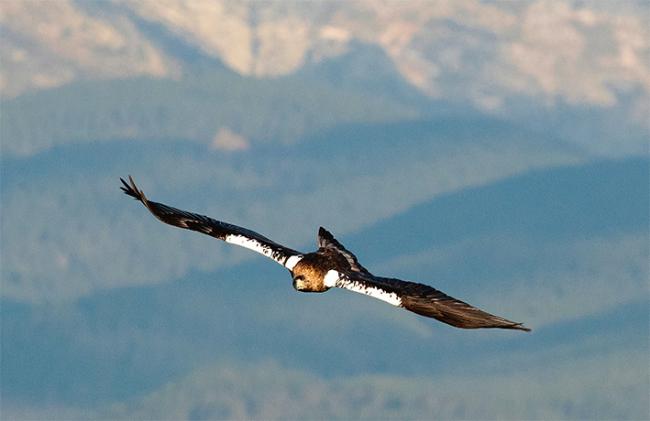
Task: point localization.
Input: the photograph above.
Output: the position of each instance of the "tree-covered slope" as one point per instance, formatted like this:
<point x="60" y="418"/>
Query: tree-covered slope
<point x="66" y="218"/>
<point x="193" y="109"/>
<point x="581" y="288"/>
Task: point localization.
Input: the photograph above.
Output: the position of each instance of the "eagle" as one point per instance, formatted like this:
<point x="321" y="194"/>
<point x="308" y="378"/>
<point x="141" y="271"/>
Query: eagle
<point x="331" y="266"/>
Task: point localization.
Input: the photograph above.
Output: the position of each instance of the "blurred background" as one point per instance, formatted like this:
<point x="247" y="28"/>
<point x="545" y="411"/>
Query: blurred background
<point x="495" y="150"/>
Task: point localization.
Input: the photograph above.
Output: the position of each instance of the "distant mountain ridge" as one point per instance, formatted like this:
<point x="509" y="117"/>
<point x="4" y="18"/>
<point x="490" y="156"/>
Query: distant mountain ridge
<point x="193" y="109"/>
<point x="486" y="54"/>
<point x="264" y="188"/>
<point x="543" y="203"/>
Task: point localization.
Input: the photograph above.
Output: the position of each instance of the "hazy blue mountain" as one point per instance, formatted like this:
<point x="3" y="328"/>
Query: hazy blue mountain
<point x="608" y="132"/>
<point x="276" y="391"/>
<point x="191" y="109"/>
<point x="546" y="205"/>
<point x="495" y="56"/>
<point x="364" y="68"/>
<point x="126" y="342"/>
<point x="76" y="225"/>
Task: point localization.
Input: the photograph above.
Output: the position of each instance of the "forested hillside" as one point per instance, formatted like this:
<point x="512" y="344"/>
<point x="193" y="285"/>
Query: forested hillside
<point x="495" y="151"/>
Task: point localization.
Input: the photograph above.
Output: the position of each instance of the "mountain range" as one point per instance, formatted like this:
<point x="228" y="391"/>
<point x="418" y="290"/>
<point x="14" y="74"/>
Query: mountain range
<point x="497" y="151"/>
<point x="520" y="61"/>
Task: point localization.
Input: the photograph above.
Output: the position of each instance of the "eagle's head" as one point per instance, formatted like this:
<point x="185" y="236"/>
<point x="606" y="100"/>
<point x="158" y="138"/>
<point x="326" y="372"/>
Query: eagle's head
<point x="299" y="283"/>
<point x="308" y="281"/>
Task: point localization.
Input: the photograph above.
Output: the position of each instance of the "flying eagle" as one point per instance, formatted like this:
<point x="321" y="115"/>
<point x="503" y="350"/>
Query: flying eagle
<point x="332" y="265"/>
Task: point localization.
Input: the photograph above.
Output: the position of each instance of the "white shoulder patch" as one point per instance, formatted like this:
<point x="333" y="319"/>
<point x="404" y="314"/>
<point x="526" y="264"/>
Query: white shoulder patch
<point x="331" y="278"/>
<point x="292" y="261"/>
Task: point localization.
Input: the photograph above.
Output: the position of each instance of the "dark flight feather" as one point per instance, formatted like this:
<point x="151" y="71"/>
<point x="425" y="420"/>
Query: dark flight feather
<point x="326" y="241"/>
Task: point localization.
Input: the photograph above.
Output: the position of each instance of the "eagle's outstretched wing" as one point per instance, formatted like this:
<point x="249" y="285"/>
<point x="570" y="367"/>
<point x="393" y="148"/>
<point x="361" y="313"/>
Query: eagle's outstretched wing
<point x="221" y="230"/>
<point x="420" y="299"/>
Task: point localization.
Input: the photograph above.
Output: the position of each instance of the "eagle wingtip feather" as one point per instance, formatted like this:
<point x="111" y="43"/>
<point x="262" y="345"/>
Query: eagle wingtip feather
<point x="132" y="190"/>
<point x="322" y="232"/>
<point x="517" y="326"/>
<point x="520" y="326"/>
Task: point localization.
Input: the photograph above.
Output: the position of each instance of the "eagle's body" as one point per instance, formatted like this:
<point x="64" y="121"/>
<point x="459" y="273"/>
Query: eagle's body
<point x="332" y="266"/>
